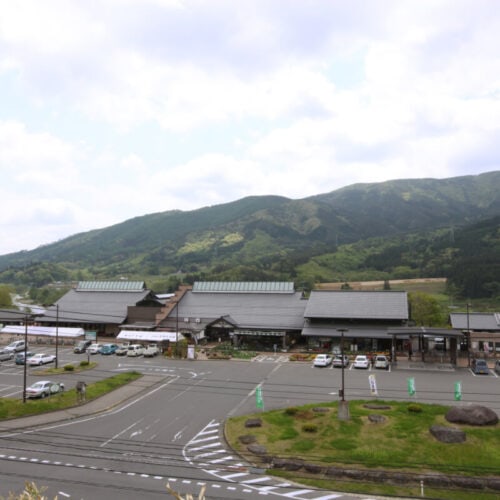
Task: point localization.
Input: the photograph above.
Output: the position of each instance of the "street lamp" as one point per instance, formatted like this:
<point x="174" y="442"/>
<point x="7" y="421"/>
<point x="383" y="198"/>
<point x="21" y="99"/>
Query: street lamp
<point x="468" y="336"/>
<point x="25" y="355"/>
<point x="57" y="335"/>
<point x="342" y="390"/>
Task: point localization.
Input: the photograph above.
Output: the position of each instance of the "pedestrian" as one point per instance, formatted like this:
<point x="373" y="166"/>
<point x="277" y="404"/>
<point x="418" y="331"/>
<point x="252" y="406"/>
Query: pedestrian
<point x="81" y="391"/>
<point x="275" y="348"/>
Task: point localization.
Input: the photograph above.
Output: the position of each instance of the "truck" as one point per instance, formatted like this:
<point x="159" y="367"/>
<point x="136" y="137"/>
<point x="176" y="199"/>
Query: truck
<point x="151" y="350"/>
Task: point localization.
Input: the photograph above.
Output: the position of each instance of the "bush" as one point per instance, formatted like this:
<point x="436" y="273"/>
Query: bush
<point x="291" y="411"/>
<point x="310" y="428"/>
<point x="84" y="363"/>
<point x="69" y="368"/>
<point x="414" y="408"/>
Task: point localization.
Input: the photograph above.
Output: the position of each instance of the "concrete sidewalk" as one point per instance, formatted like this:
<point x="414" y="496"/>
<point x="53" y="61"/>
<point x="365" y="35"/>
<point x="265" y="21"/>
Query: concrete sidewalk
<point x="98" y="405"/>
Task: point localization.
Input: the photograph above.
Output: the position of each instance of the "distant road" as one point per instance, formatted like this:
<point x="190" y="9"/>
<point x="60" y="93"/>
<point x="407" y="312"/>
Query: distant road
<point x="35" y="309"/>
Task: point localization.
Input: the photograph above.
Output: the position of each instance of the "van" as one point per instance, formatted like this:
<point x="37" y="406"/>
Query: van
<point x="16" y="346"/>
<point x="81" y="346"/>
<point x="135" y="350"/>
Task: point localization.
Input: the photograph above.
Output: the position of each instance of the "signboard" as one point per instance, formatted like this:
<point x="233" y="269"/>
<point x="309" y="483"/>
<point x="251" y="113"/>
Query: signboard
<point x="458" y="391"/>
<point x="90" y="335"/>
<point x="259" y="401"/>
<point x="373" y="385"/>
<point x="411" y="386"/>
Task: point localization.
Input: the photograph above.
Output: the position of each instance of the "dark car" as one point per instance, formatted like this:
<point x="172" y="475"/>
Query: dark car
<point x="82" y="346"/>
<point x="19" y="359"/>
<point x="480" y="367"/>
<point x="108" y="349"/>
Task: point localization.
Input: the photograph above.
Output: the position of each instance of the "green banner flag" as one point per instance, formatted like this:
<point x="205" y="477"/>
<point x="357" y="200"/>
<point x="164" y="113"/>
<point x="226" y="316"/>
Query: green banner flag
<point x="411" y="386"/>
<point x="259" y="401"/>
<point x="458" y="391"/>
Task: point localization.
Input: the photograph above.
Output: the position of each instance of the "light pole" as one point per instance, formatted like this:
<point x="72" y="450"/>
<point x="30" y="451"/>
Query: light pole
<point x="343" y="413"/>
<point x="342" y="390"/>
<point x="57" y="335"/>
<point x="25" y="355"/>
<point x="468" y="337"/>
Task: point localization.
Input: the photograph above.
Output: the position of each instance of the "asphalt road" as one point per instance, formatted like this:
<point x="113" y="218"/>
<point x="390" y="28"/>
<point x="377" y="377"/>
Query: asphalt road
<point x="172" y="431"/>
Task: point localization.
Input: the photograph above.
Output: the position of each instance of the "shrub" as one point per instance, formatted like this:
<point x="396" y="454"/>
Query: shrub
<point x="291" y="411"/>
<point x="84" y="363"/>
<point x="310" y="428"/>
<point x="69" y="368"/>
<point x="414" y="408"/>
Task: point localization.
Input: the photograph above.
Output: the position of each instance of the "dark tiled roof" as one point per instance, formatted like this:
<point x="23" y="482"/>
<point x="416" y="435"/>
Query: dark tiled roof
<point x="348" y="304"/>
<point x="477" y="321"/>
<point x="94" y="307"/>
<point x="246" y="310"/>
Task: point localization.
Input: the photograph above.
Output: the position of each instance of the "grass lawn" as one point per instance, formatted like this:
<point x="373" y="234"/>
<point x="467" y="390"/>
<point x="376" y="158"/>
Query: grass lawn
<point x="15" y="408"/>
<point x="401" y="442"/>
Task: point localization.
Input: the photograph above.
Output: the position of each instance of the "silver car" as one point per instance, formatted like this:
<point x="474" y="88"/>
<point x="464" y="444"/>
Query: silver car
<point x="6" y="355"/>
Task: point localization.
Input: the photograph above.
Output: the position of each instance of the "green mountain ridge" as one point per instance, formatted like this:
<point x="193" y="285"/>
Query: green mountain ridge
<point x="277" y="238"/>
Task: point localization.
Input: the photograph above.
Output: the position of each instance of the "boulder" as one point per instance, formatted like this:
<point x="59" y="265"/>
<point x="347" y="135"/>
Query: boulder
<point x="447" y="434"/>
<point x="376" y="419"/>
<point x="472" y="415"/>
<point x="257" y="449"/>
<point x="247" y="439"/>
<point x="253" y="422"/>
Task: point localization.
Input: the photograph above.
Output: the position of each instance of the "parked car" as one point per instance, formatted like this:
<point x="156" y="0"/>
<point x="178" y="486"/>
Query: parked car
<point x="41" y="358"/>
<point x="323" y="360"/>
<point x="381" y="361"/>
<point x="151" y="350"/>
<point x="361" y="361"/>
<point x="6" y="355"/>
<point x="497" y="366"/>
<point x="108" y="349"/>
<point x="135" y="350"/>
<point x="338" y="362"/>
<point x="122" y="349"/>
<point x="94" y="348"/>
<point x="43" y="388"/>
<point x="480" y="367"/>
<point x="81" y="346"/>
<point x="19" y="358"/>
<point x="16" y="346"/>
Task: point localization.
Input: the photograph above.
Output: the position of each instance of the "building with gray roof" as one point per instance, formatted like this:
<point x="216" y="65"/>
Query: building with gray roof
<point x="248" y="313"/>
<point x="103" y="306"/>
<point x="361" y="317"/>
<point x="484" y="330"/>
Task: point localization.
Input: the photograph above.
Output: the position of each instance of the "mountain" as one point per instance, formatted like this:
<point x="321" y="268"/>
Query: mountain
<point x="265" y="237"/>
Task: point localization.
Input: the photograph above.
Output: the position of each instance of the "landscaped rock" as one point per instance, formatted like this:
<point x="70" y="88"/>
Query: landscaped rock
<point x="447" y="434"/>
<point x="472" y="415"/>
<point x="377" y="419"/>
<point x="321" y="409"/>
<point x="257" y="449"/>
<point x="253" y="422"/>
<point x="374" y="406"/>
<point x="247" y="439"/>
<point x="313" y="468"/>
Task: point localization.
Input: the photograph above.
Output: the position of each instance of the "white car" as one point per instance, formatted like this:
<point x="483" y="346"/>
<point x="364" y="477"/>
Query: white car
<point x="16" y="346"/>
<point x="361" y="361"/>
<point x="43" y="388"/>
<point x="41" y="358"/>
<point x="94" y="348"/>
<point x="135" y="350"/>
<point x="381" y="361"/>
<point x="323" y="360"/>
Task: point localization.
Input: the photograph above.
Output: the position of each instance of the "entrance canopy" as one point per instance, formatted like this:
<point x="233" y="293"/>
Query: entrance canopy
<point x="44" y="331"/>
<point x="150" y="336"/>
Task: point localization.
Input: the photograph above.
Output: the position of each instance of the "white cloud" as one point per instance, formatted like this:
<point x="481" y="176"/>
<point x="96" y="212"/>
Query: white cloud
<point x="114" y="109"/>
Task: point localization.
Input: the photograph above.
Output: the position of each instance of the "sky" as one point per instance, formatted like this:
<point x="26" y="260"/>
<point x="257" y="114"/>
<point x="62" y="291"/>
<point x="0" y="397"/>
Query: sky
<point x="113" y="109"/>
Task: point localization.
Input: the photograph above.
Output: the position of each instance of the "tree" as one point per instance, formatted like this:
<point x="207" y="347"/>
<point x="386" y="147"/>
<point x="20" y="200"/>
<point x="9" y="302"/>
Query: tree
<point x="5" y="296"/>
<point x="425" y="310"/>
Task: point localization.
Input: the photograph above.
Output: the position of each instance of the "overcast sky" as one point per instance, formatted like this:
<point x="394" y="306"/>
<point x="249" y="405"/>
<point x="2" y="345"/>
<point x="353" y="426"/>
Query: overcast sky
<point x="111" y="109"/>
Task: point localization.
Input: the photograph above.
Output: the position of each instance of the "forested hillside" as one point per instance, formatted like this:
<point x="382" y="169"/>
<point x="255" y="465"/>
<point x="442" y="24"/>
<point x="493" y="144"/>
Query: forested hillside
<point x="396" y="229"/>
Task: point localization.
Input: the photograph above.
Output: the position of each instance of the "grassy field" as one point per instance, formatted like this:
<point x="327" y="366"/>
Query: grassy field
<point x="15" y="408"/>
<point x="402" y="442"/>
